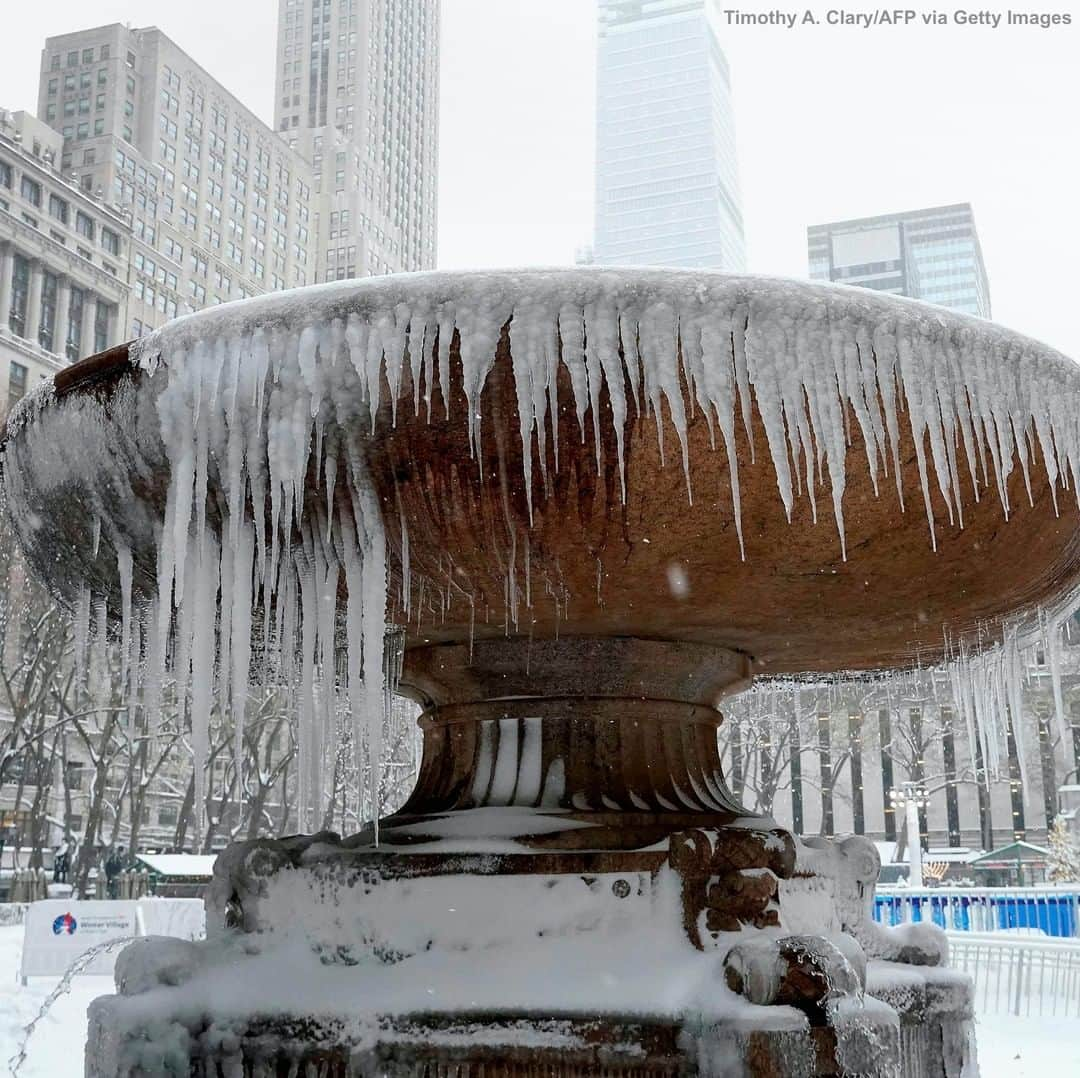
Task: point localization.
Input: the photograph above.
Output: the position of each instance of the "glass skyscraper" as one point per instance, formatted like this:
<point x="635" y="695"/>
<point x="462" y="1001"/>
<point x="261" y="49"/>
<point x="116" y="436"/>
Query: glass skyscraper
<point x="930" y="254"/>
<point x="666" y="179"/>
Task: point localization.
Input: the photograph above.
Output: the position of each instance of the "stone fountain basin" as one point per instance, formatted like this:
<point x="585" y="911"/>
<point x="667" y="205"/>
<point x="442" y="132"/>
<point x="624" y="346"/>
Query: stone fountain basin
<point x="590" y="562"/>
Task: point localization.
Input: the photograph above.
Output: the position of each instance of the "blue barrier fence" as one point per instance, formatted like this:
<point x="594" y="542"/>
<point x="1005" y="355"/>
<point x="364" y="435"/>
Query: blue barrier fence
<point x="983" y="909"/>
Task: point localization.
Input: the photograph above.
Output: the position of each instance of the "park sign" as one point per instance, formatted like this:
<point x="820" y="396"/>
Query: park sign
<point x="58" y="931"/>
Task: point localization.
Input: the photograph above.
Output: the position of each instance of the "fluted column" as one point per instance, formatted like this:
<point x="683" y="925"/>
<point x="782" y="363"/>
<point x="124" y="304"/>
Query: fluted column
<point x="33" y="303"/>
<point x="63" y="311"/>
<point x="7" y="266"/>
<point x="588" y="724"/>
<point x="89" y="313"/>
<point x="112" y="333"/>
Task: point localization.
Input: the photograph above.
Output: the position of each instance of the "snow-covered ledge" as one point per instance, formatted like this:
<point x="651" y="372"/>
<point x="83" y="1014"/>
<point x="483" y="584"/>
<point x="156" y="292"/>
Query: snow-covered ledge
<point x="452" y="953"/>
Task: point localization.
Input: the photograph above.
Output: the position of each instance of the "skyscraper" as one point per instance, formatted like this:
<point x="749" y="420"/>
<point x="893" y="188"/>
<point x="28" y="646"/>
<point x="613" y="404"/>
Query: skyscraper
<point x="219" y="207"/>
<point x="667" y="190"/>
<point x="358" y="94"/>
<point x="930" y="254"/>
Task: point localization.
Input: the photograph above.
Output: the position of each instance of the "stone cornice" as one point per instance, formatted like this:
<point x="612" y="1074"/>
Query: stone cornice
<point x="29" y="239"/>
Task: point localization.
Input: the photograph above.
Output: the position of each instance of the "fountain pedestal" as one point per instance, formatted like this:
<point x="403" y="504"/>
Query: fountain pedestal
<point x="581" y="724"/>
<point x="571" y="890"/>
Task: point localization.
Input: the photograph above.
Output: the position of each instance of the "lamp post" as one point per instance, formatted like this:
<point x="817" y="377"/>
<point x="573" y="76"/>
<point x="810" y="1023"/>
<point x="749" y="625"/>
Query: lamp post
<point x="911" y="796"/>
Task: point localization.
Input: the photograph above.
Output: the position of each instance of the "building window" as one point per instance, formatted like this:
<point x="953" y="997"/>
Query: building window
<point x="167" y="816"/>
<point x="58" y="208"/>
<point x="5" y="175"/>
<point x="110" y="241"/>
<point x="74" y="328"/>
<point x="17" y="378"/>
<point x="30" y="190"/>
<point x="84" y="225"/>
<point x="47" y="326"/>
<point x="73" y="59"/>
<point x="54" y="62"/>
<point x="104" y="55"/>
<point x="20" y="294"/>
<point x="88" y="56"/>
<point x="101" y="327"/>
<point x="74" y="775"/>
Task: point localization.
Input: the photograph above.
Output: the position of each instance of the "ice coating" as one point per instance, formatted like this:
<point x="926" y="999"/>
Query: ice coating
<point x="815" y="358"/>
<point x="274" y="396"/>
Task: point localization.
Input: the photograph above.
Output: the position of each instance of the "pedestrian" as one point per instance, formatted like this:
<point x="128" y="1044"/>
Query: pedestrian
<point x="113" y="867"/>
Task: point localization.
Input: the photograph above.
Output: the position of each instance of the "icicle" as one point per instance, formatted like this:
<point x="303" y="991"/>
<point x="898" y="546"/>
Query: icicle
<point x="1053" y="656"/>
<point x="203" y="603"/>
<point x="124" y="571"/>
<point x="81" y="632"/>
<point x="240" y="648"/>
<point x="406" y="570"/>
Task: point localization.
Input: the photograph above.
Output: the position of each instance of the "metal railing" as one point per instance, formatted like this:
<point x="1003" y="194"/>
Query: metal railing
<point x="1020" y="975"/>
<point x="1051" y="911"/>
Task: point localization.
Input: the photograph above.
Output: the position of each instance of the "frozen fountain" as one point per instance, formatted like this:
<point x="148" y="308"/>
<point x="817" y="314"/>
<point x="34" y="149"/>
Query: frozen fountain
<point x="590" y="504"/>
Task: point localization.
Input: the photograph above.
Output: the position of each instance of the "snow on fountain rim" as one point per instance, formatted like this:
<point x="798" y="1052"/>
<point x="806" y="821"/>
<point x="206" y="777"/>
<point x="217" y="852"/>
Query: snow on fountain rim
<point x="797" y="318"/>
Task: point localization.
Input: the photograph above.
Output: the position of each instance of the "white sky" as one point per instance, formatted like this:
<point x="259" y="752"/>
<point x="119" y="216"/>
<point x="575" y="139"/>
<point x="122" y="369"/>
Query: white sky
<point x="831" y="123"/>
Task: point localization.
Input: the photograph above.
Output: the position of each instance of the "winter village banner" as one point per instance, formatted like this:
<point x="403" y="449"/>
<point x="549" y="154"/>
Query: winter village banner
<point x="57" y="931"/>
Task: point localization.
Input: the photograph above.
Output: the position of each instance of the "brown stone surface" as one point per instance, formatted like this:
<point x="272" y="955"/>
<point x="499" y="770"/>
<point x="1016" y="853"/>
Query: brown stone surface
<point x="793" y="605"/>
<point x="581" y="723"/>
<point x="599" y="567"/>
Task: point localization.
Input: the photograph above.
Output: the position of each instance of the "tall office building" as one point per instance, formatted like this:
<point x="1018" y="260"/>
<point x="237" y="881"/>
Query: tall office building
<point x="931" y="254"/>
<point x="63" y="261"/>
<point x="358" y="95"/>
<point x="667" y="191"/>
<point x="219" y="207"/>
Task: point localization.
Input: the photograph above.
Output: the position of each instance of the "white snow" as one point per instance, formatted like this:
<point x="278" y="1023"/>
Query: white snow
<point x="1013" y="1047"/>
<point x="1008" y="1047"/>
<point x="56" y="1048"/>
<point x="180" y="864"/>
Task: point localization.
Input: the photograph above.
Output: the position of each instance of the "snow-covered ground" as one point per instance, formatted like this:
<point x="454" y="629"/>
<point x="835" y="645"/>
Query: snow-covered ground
<point x="1008" y="1047"/>
<point x="56" y="1047"/>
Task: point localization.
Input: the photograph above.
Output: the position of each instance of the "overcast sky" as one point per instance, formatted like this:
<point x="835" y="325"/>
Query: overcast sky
<point x="831" y="123"/>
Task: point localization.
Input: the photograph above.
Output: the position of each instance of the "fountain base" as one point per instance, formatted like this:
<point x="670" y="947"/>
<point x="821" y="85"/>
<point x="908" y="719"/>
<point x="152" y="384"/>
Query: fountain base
<point x="571" y="889"/>
<point x="733" y="950"/>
